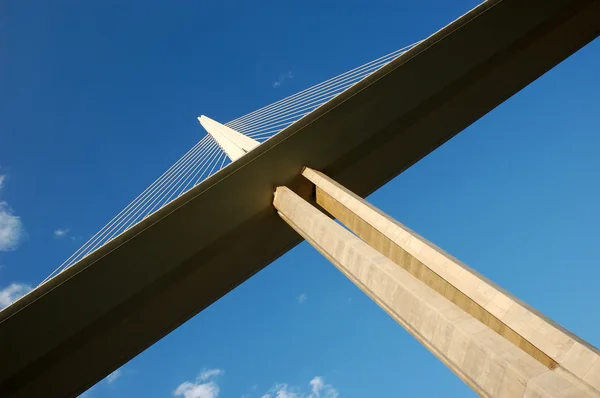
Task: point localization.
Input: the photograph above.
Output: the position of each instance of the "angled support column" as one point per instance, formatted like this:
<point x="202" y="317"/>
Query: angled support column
<point x="493" y="342"/>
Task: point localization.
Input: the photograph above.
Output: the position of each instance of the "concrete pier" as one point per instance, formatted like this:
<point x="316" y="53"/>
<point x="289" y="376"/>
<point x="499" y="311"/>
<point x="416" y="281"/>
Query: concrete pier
<point x="495" y="343"/>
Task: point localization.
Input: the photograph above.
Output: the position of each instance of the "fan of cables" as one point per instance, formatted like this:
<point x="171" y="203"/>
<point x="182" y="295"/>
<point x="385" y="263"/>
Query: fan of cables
<point x="206" y="157"/>
<point x="265" y="122"/>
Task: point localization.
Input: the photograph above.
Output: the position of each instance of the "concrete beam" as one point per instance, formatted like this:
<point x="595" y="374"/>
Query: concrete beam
<point x="489" y="363"/>
<point x="549" y="343"/>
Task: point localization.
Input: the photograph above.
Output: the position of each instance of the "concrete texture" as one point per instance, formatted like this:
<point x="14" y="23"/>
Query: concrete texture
<point x="62" y="337"/>
<point x="491" y="365"/>
<point x="549" y="343"/>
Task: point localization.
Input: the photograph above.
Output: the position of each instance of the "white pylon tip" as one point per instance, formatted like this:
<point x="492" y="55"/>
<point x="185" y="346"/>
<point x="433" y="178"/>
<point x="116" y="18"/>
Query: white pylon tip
<point x="233" y="143"/>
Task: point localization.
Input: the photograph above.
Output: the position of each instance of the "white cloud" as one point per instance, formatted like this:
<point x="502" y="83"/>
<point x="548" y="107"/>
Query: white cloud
<point x="318" y="389"/>
<point x="202" y="387"/>
<point x="302" y="298"/>
<point x="200" y="390"/>
<point x="12" y="293"/>
<point x="282" y="78"/>
<point x="111" y="378"/>
<point x="11" y="228"/>
<point x="281" y="391"/>
<point x="205" y="387"/>
<point x="317" y="385"/>
<point x="208" y="373"/>
<point x="59" y="233"/>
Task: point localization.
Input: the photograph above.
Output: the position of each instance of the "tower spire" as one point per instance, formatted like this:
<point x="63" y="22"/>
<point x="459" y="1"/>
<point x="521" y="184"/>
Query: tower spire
<point x="233" y="143"/>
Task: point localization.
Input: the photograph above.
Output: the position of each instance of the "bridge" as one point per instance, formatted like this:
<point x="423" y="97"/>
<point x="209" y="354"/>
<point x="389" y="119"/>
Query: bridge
<point x="329" y="147"/>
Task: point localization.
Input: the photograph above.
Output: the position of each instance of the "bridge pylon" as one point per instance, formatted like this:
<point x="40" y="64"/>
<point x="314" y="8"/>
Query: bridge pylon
<point x="233" y="143"/>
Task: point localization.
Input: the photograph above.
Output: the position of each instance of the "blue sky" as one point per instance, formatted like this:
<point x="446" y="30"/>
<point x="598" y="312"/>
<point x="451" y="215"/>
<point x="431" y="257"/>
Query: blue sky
<point x="97" y="99"/>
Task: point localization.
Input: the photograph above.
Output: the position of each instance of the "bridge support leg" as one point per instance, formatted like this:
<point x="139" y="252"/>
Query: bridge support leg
<point x="492" y="341"/>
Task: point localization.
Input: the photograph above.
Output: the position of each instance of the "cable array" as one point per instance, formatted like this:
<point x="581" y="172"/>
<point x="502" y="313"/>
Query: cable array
<point x="200" y="162"/>
<point x="206" y="157"/>
<point x="267" y="121"/>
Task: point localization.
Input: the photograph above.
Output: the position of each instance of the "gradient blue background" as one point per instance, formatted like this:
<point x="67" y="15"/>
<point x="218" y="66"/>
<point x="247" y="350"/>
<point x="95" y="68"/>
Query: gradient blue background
<point x="97" y="99"/>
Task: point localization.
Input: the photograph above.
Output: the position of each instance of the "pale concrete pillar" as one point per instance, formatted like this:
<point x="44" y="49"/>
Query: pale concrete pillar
<point x="478" y="346"/>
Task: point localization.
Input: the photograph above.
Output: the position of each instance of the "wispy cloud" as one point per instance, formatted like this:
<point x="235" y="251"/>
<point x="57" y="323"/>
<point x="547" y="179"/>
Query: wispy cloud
<point x="60" y="232"/>
<point x="316" y="385"/>
<point x="114" y="376"/>
<point x="202" y="387"/>
<point x="11" y="227"/>
<point x="282" y="391"/>
<point x="282" y="78"/>
<point x="12" y="293"/>
<point x="302" y="298"/>
<point x="209" y="373"/>
<point x="318" y="389"/>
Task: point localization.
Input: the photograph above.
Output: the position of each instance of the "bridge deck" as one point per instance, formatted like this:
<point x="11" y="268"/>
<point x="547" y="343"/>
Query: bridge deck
<point x="110" y="306"/>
